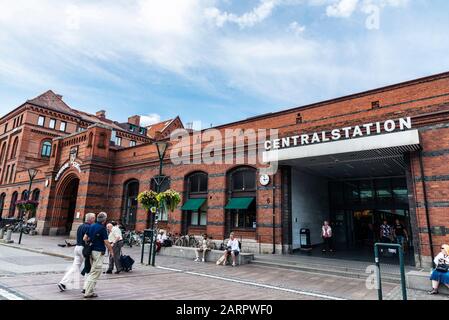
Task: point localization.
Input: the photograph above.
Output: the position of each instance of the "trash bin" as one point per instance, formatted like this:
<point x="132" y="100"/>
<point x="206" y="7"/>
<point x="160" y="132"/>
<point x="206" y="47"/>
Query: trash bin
<point x="304" y="238"/>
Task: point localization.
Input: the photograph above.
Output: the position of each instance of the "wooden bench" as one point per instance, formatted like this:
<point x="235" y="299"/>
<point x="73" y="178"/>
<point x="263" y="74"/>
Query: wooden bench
<point x="211" y="256"/>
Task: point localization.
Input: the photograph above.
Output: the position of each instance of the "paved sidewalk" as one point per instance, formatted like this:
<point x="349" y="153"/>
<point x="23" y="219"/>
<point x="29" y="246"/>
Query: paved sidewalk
<point x="184" y="271"/>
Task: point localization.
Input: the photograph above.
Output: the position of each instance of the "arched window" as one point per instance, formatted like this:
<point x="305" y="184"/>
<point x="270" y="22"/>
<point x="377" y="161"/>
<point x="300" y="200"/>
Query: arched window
<point x="2" y="202"/>
<point x="24" y="195"/>
<point x="12" y="205"/>
<point x="129" y="213"/>
<point x="14" y="148"/>
<point x="36" y="194"/>
<point x="241" y="205"/>
<point x="91" y="138"/>
<point x="195" y="207"/>
<point x="46" y="149"/>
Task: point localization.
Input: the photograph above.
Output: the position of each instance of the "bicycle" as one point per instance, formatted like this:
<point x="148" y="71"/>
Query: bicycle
<point x="182" y="241"/>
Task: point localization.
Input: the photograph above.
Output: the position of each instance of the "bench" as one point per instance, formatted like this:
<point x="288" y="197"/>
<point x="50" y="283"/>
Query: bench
<point x="420" y="280"/>
<point x="211" y="256"/>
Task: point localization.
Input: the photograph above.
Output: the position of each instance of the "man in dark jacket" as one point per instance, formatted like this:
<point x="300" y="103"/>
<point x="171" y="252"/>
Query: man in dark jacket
<point x="98" y="236"/>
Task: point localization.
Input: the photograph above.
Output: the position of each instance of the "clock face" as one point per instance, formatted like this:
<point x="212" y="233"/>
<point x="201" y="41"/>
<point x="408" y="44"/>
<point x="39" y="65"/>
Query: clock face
<point x="264" y="179"/>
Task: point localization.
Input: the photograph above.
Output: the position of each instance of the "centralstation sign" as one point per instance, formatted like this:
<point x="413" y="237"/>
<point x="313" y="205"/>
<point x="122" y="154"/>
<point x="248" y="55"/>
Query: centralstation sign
<point x="368" y="129"/>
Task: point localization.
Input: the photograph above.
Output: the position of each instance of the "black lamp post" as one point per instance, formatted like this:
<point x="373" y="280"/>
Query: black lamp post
<point x="159" y="180"/>
<point x="32" y="174"/>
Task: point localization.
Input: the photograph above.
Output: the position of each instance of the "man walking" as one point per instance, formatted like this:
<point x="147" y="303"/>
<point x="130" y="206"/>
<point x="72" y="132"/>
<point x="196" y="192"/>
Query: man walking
<point x="116" y="241"/>
<point x="69" y="276"/>
<point x="98" y="237"/>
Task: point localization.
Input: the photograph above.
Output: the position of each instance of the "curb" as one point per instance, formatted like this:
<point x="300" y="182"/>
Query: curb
<point x="54" y="254"/>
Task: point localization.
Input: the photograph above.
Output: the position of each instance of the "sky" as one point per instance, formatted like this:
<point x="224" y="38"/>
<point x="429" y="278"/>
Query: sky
<point x="213" y="61"/>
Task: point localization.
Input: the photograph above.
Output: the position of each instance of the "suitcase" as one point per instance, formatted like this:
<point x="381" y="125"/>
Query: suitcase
<point x="127" y="263"/>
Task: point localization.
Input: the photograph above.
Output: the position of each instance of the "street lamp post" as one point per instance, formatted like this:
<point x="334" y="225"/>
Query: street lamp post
<point x="32" y="174"/>
<point x="161" y="149"/>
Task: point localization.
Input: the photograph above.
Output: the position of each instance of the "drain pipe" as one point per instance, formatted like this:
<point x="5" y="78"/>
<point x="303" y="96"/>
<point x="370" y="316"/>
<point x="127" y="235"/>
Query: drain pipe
<point x="426" y="205"/>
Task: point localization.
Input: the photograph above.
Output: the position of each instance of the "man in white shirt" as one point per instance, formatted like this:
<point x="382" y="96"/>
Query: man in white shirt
<point x="233" y="248"/>
<point x="161" y="237"/>
<point x="116" y="240"/>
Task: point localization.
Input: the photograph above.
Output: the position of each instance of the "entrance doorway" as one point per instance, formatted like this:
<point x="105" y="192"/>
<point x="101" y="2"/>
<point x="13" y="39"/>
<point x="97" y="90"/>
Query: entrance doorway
<point x="69" y="204"/>
<point x="355" y="192"/>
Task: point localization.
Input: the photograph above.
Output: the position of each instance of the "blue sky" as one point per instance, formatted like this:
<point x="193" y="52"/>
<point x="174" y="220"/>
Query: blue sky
<point x="214" y="61"/>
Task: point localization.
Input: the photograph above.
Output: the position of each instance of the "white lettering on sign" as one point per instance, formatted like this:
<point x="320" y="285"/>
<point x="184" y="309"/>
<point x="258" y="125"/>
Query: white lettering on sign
<point x="343" y="133"/>
<point x="67" y="165"/>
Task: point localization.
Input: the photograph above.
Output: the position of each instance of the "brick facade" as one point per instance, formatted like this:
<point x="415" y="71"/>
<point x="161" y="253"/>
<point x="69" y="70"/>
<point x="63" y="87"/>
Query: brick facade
<point x="104" y="169"/>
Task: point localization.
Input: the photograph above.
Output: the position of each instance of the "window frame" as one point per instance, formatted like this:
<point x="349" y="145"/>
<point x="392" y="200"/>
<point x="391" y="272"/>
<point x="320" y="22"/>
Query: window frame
<point x="48" y="148"/>
<point x="63" y="124"/>
<point x="39" y="121"/>
<point x="50" y="123"/>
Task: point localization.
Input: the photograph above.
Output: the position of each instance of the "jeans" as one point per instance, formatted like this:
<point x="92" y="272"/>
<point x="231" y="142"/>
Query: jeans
<point x="400" y="240"/>
<point x="95" y="272"/>
<point x="71" y="277"/>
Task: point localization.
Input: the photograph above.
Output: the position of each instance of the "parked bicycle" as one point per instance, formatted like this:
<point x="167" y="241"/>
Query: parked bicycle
<point x="132" y="238"/>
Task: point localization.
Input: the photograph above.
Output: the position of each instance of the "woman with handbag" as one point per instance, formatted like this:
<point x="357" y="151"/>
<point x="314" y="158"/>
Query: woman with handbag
<point x="440" y="274"/>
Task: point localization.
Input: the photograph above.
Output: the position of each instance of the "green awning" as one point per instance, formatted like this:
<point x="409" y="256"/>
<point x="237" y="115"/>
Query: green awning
<point x="193" y="204"/>
<point x="239" y="203"/>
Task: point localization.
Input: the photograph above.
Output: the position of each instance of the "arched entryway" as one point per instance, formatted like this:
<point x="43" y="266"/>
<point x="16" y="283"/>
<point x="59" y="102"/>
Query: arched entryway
<point x="65" y="204"/>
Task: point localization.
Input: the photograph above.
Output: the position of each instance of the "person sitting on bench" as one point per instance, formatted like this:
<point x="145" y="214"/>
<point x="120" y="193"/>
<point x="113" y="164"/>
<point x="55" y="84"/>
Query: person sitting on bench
<point x="204" y="247"/>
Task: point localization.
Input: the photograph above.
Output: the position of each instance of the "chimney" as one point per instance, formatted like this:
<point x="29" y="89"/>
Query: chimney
<point x="59" y="96"/>
<point x="101" y="114"/>
<point x="135" y="120"/>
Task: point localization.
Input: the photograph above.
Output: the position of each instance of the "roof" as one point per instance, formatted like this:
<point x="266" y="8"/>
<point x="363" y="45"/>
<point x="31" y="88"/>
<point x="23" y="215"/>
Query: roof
<point x="53" y="101"/>
<point x="160" y="126"/>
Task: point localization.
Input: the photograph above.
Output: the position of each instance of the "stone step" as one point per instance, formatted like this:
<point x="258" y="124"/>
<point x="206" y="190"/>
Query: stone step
<point x="330" y="270"/>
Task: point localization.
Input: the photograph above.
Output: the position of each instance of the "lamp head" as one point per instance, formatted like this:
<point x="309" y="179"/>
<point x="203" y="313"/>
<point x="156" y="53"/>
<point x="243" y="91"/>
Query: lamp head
<point x="32" y="172"/>
<point x="161" y="147"/>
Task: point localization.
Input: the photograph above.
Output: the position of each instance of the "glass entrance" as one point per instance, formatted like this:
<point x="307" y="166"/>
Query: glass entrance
<point x="359" y="207"/>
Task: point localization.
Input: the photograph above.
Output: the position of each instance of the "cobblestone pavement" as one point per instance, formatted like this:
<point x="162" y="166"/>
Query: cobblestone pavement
<point x="33" y="275"/>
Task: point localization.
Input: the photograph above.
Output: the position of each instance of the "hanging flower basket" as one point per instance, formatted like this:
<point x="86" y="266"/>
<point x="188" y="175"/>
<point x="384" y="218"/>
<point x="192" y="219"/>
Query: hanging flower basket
<point x="27" y="205"/>
<point x="148" y="199"/>
<point x="169" y="199"/>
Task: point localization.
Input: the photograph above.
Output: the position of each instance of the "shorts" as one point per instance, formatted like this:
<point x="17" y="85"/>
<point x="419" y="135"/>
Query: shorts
<point x="236" y="252"/>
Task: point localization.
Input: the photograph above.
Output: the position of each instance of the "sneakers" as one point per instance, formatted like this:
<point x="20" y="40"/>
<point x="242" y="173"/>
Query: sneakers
<point x="433" y="291"/>
<point x="93" y="295"/>
<point x="61" y="287"/>
<point x="197" y="260"/>
<point x="225" y="263"/>
<point x="233" y="264"/>
<point x="202" y="260"/>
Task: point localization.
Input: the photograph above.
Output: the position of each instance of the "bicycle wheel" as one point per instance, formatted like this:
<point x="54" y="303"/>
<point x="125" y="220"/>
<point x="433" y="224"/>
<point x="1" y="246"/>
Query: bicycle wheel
<point x="179" y="242"/>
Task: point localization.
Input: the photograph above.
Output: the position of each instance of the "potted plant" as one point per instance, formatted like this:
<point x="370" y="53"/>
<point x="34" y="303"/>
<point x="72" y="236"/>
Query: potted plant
<point x="148" y="199"/>
<point x="169" y="199"/>
<point x="27" y="206"/>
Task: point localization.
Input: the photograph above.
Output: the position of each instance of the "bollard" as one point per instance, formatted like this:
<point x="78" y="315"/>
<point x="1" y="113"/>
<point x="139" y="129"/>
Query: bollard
<point x="2" y="233"/>
<point x="8" y="236"/>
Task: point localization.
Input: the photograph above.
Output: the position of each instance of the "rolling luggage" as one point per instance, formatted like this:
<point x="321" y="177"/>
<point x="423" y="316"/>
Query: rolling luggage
<point x="127" y="263"/>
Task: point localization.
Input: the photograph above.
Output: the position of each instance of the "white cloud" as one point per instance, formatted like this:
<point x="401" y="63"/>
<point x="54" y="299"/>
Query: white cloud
<point x="342" y="9"/>
<point x="152" y="118"/>
<point x="248" y="19"/>
<point x="296" y="28"/>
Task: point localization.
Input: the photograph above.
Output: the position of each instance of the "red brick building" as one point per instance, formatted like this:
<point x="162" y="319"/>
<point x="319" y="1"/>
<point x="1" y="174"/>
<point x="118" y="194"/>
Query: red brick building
<point x="354" y="160"/>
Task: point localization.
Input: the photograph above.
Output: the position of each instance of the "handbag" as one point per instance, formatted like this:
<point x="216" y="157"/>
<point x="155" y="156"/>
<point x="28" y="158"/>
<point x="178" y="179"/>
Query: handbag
<point x="442" y="268"/>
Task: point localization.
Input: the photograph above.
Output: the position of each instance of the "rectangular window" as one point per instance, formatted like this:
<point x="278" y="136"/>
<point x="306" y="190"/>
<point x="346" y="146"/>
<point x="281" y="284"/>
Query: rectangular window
<point x="132" y="143"/>
<point x="142" y="131"/>
<point x="203" y="218"/>
<point x="62" y="126"/>
<point x="194" y="218"/>
<point x="52" y="124"/>
<point x="6" y="127"/>
<point x="118" y="141"/>
<point x="163" y="215"/>
<point x="41" y="121"/>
